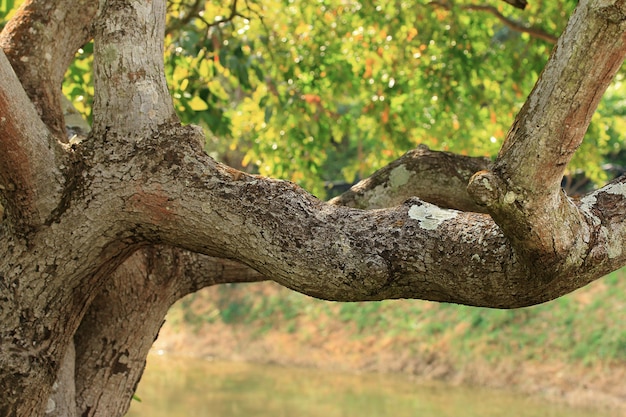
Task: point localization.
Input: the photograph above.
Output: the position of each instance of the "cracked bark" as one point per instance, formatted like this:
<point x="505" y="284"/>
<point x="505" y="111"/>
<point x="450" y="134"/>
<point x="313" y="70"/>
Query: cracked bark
<point x="141" y="180"/>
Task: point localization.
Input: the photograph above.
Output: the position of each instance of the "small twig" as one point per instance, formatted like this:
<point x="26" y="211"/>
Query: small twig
<point x="511" y="24"/>
<point x="194" y="13"/>
<point x="233" y="13"/>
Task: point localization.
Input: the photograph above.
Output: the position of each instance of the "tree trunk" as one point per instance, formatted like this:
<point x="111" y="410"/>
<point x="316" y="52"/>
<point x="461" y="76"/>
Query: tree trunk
<point x="115" y="335"/>
<point x="98" y="238"/>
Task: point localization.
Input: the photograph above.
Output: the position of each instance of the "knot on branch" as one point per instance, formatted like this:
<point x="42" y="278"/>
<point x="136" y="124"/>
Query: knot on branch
<point x="489" y="191"/>
<point x="484" y="188"/>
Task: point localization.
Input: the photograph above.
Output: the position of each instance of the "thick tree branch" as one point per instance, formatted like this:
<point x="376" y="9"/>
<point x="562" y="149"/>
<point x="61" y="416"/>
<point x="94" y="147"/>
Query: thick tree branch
<point x="346" y="254"/>
<point x="439" y="178"/>
<point x="523" y="191"/>
<point x="325" y="251"/>
<point x="29" y="180"/>
<point x="131" y="96"/>
<point x="40" y="42"/>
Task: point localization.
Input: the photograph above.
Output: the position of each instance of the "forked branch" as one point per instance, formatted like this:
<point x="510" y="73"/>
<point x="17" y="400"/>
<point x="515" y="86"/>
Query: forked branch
<point x="40" y="42"/>
<point x="523" y="192"/>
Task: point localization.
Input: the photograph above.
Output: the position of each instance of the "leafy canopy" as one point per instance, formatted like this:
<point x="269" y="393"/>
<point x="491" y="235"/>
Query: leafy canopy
<point x="325" y="91"/>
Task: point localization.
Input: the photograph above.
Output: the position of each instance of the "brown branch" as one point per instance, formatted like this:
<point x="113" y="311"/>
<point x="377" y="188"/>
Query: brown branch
<point x="511" y="24"/>
<point x="439" y="178"/>
<point x="29" y="178"/>
<point x="40" y="42"/>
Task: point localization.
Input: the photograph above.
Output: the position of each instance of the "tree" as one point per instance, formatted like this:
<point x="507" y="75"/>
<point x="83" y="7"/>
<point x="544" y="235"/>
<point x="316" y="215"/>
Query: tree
<point x="100" y="236"/>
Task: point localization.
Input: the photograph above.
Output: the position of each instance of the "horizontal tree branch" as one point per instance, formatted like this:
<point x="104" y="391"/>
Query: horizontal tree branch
<point x="331" y="252"/>
<point x="439" y="178"/>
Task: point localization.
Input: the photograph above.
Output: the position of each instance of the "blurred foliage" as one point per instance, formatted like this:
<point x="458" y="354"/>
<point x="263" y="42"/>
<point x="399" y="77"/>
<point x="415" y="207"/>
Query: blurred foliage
<point x="321" y="91"/>
<point x="577" y="328"/>
<point x="7" y="8"/>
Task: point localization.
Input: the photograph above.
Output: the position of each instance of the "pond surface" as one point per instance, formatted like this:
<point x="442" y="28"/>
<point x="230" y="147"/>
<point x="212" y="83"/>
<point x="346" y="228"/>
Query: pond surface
<point x="174" y="387"/>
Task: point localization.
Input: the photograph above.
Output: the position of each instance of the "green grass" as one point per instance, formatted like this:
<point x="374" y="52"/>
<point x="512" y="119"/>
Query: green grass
<point x="584" y="327"/>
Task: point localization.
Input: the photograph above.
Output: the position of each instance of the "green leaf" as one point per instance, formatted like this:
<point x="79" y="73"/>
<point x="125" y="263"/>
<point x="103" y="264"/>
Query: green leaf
<point x="197" y="104"/>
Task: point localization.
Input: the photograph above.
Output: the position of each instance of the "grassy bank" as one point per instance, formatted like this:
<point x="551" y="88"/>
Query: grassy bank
<point x="586" y="327"/>
<point x="577" y="342"/>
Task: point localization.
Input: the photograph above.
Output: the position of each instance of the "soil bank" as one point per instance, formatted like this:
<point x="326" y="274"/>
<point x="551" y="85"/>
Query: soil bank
<point x="205" y="326"/>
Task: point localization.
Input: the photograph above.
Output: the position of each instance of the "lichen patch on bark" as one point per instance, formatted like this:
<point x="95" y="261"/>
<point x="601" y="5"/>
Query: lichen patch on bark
<point x="429" y="216"/>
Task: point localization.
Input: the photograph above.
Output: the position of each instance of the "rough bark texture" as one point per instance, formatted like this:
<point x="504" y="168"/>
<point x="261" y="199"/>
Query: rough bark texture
<point x="40" y="43"/>
<point x="115" y="335"/>
<point x="439" y="178"/>
<point x="97" y="239"/>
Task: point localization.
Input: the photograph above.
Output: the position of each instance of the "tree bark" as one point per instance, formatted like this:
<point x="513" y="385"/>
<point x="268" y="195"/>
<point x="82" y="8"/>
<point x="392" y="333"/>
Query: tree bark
<point x="74" y="214"/>
<point x="40" y="43"/>
<point x="439" y="178"/>
<point x="115" y="336"/>
<point x="30" y="178"/>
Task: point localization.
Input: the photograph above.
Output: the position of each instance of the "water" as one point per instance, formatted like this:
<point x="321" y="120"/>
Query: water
<point x="173" y="387"/>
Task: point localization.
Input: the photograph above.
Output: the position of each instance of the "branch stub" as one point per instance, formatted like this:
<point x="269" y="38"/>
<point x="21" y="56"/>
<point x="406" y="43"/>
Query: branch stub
<point x="483" y="187"/>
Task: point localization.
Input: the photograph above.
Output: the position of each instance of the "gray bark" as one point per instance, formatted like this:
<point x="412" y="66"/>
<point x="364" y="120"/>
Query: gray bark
<point x="62" y="400"/>
<point x="75" y="214"/>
